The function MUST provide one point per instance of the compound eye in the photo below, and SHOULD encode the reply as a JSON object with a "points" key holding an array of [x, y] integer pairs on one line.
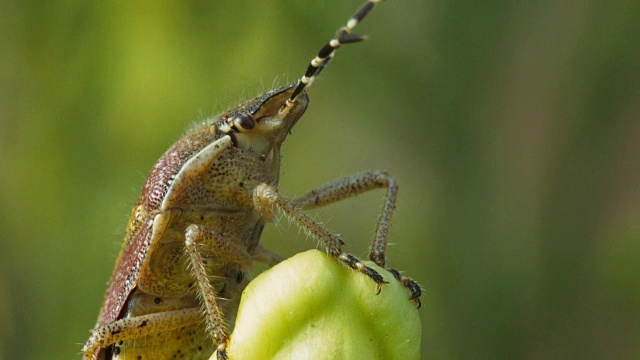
{"points": [[243, 122]]}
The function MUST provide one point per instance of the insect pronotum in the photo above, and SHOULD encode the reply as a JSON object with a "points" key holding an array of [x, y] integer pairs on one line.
{"points": [[209, 197]]}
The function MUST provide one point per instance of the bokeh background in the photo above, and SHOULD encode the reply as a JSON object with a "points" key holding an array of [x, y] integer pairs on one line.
{"points": [[513, 128]]}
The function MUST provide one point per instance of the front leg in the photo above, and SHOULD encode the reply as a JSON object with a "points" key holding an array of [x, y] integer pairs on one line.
{"points": [[267, 200], [199, 240], [347, 187]]}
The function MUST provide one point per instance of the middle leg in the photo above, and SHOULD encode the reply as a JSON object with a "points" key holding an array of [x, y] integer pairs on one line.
{"points": [[350, 186], [197, 240]]}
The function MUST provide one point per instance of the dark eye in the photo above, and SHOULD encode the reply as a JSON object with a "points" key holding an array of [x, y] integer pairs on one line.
{"points": [[244, 121]]}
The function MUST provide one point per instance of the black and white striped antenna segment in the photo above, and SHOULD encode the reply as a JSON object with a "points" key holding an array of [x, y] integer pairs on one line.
{"points": [[325, 55]]}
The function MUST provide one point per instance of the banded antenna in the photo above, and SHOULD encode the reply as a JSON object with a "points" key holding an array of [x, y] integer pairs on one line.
{"points": [[325, 55]]}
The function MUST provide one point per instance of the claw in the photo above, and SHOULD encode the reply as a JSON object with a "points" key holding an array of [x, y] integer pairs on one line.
{"points": [[415, 289], [378, 289], [222, 355], [222, 352], [416, 292], [375, 276], [417, 301]]}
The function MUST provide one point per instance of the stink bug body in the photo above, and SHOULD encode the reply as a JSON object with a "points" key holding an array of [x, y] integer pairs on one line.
{"points": [[195, 229]]}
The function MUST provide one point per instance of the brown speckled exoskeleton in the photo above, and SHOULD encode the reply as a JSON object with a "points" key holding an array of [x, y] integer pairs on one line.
{"points": [[196, 227]]}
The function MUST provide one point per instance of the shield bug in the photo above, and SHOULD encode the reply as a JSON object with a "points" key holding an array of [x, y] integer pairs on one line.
{"points": [[195, 229]]}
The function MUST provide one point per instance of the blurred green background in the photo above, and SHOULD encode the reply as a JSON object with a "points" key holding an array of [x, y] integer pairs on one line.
{"points": [[513, 128]]}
